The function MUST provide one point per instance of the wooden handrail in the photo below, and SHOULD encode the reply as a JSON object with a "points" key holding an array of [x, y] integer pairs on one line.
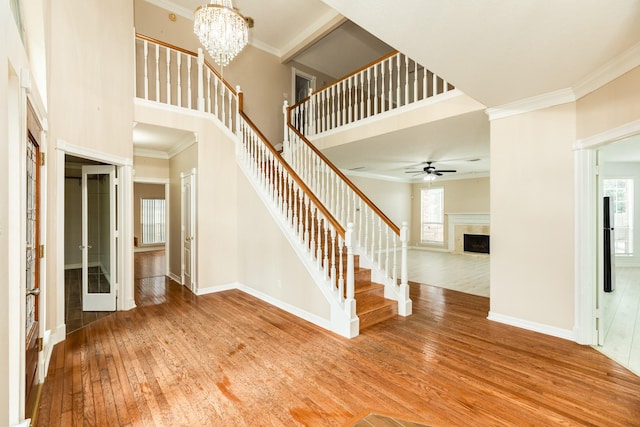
{"points": [[325, 212], [187, 52], [351, 74], [161, 43], [337, 171]]}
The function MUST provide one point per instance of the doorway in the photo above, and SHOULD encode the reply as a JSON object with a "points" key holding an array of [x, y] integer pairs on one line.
{"points": [[619, 297], [90, 224], [188, 230], [302, 83]]}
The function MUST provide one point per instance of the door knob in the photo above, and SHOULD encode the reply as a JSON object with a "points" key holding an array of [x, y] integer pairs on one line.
{"points": [[35, 292]]}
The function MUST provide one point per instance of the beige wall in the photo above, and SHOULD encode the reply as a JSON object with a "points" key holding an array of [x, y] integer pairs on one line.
{"points": [[89, 97], [460, 196], [615, 104], [144, 191], [217, 223], [148, 167], [532, 216], [393, 198], [263, 91], [267, 263]]}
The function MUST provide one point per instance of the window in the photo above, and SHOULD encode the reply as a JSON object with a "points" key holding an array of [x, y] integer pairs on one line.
{"points": [[432, 215], [621, 193], [152, 217]]}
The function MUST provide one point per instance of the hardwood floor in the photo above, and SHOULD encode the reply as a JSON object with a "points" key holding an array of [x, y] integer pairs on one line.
{"points": [[229, 359], [460, 272]]}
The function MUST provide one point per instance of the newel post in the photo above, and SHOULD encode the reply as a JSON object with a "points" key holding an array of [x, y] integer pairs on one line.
{"points": [[286, 147], [404, 302], [350, 302], [200, 80]]}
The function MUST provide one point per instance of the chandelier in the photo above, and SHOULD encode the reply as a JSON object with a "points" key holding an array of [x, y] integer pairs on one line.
{"points": [[222, 30]]}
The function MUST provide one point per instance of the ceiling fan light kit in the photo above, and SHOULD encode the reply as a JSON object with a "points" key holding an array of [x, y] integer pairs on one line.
{"points": [[431, 171]]}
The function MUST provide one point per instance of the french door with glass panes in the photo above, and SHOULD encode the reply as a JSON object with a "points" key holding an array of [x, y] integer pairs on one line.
{"points": [[98, 247]]}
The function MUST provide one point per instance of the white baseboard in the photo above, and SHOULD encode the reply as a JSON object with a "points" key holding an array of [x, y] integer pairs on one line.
{"points": [[175, 278], [49, 341], [214, 289], [309, 317], [72, 266], [305, 315], [532, 326], [129, 304], [148, 248]]}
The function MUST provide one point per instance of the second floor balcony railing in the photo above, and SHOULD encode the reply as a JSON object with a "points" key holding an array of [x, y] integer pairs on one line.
{"points": [[391, 82]]}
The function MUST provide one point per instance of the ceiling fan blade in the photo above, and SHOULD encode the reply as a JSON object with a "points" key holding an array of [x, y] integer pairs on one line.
{"points": [[436, 173], [413, 171], [446, 170]]}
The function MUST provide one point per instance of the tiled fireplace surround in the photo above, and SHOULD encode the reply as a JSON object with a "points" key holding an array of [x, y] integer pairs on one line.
{"points": [[460, 224]]}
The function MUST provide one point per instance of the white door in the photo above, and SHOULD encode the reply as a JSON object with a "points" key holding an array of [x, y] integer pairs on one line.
{"points": [[98, 238], [188, 230]]}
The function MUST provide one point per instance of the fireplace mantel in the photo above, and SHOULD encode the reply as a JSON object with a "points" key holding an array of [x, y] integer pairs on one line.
{"points": [[463, 219]]}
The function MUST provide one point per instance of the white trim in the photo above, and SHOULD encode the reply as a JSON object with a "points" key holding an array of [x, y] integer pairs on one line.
{"points": [[534, 103], [184, 143], [396, 112], [143, 103], [145, 180], [296, 311], [610, 71], [611, 135], [309, 317], [585, 241], [154, 154], [216, 289], [531, 326], [295, 72], [174, 277], [149, 248], [91, 154], [173, 7]]}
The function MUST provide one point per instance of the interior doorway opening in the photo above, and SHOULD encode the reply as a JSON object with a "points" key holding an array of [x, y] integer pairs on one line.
{"points": [[618, 291], [90, 262]]}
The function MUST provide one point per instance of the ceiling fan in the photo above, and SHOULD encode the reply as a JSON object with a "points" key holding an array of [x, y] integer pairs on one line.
{"points": [[429, 169]]}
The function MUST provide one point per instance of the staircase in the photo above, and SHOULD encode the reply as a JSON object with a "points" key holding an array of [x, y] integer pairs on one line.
{"points": [[372, 307], [352, 255]]}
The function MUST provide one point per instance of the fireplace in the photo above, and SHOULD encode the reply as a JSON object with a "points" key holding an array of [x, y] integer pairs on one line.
{"points": [[478, 243]]}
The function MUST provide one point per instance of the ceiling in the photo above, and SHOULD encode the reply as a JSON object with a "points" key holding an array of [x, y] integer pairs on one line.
{"points": [[501, 51], [459, 143], [515, 51]]}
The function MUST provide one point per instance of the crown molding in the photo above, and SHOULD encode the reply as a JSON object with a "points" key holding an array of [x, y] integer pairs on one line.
{"points": [[616, 134], [183, 144], [527, 105], [172, 7], [610, 71], [154, 154]]}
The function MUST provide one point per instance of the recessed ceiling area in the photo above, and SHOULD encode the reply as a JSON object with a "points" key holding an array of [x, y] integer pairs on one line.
{"points": [[452, 143], [159, 141], [342, 51]]}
